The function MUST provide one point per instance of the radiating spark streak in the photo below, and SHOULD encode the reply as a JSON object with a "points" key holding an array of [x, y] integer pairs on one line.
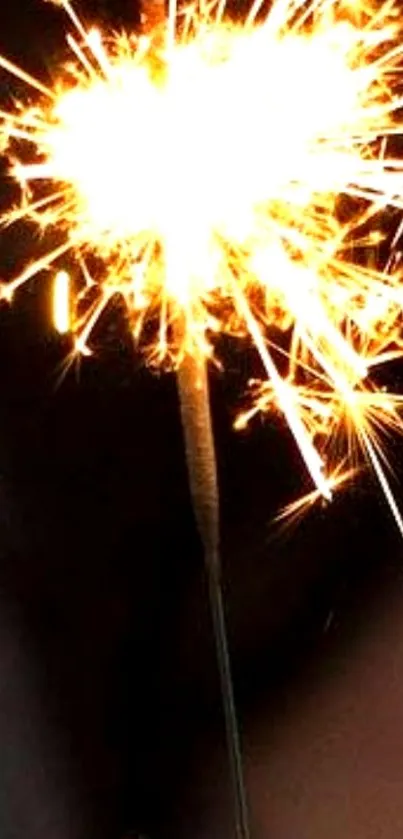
{"points": [[171, 26], [255, 9], [24, 118], [220, 11], [94, 41], [31, 208], [82, 339], [21, 74], [286, 402], [339, 380], [81, 56], [68, 8], [380, 474], [32, 270], [292, 511], [19, 134]]}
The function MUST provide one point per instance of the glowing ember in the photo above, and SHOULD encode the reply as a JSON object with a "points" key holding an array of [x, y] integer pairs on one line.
{"points": [[222, 175], [61, 302]]}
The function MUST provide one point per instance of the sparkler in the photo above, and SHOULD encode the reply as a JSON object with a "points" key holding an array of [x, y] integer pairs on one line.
{"points": [[204, 168], [228, 178]]}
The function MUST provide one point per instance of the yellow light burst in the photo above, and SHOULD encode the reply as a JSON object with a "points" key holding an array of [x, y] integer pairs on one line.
{"points": [[234, 179]]}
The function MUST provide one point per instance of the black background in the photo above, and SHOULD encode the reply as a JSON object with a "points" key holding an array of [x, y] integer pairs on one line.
{"points": [[110, 716]]}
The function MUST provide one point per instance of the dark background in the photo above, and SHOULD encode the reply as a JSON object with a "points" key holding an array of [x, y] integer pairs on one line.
{"points": [[110, 716]]}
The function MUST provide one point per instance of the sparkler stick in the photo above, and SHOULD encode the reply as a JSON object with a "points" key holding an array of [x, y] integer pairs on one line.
{"points": [[194, 401], [192, 379]]}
